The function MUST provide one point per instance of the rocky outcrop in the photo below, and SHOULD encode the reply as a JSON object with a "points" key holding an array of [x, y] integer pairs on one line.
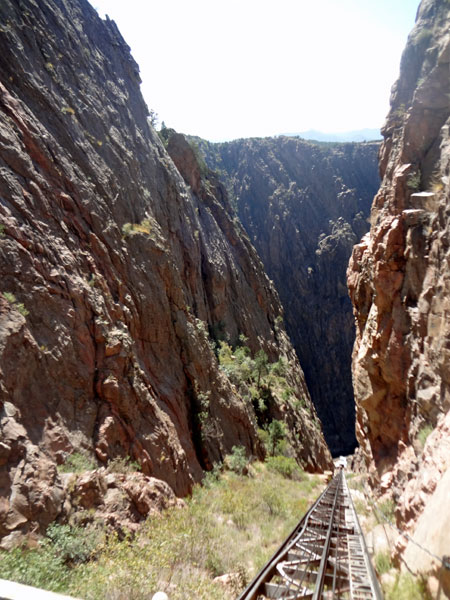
{"points": [[113, 274], [121, 501], [304, 206], [399, 281]]}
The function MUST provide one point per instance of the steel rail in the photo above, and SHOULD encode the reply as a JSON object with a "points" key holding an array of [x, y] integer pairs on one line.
{"points": [[369, 567], [250, 592], [320, 581], [325, 555]]}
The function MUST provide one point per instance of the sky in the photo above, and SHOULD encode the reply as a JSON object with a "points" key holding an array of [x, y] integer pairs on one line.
{"points": [[226, 69]]}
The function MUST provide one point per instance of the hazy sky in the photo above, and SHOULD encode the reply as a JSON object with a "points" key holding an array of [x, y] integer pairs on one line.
{"points": [[237, 68]]}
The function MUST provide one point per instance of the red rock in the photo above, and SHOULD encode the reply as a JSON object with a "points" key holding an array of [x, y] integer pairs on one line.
{"points": [[110, 358], [399, 287]]}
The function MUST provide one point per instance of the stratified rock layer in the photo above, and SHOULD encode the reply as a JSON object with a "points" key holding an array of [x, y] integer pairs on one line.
{"points": [[112, 273], [399, 280], [304, 206]]}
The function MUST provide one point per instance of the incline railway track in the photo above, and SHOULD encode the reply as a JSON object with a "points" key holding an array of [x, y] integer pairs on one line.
{"points": [[324, 557]]}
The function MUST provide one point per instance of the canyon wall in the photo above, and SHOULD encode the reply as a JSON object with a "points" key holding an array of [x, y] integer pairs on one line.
{"points": [[304, 206], [399, 280], [114, 275]]}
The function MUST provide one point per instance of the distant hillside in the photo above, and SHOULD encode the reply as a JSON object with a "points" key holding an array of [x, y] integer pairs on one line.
{"points": [[360, 135]]}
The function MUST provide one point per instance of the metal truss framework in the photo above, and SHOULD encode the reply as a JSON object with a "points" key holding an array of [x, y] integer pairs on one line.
{"points": [[324, 557]]}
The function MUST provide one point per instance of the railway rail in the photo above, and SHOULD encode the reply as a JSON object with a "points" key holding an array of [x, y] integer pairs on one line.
{"points": [[324, 557]]}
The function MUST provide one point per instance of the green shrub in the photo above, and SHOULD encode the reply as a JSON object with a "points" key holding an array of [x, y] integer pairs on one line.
{"points": [[423, 36], [165, 133], [273, 502], [301, 403], [9, 297], [285, 466], [204, 171], [21, 308], [153, 117], [256, 378], [260, 367], [399, 112], [423, 434], [286, 394], [237, 461], [72, 544], [238, 364], [212, 477], [413, 181], [383, 562], [77, 463], [49, 566], [40, 568], [279, 368], [17, 305]]}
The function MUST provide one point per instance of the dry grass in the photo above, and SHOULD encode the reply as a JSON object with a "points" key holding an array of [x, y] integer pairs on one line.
{"points": [[231, 525]]}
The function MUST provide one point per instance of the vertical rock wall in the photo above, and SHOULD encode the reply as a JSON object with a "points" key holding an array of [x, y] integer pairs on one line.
{"points": [[113, 272], [399, 281]]}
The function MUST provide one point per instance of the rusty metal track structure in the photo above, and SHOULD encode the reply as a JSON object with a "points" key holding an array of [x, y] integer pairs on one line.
{"points": [[324, 557]]}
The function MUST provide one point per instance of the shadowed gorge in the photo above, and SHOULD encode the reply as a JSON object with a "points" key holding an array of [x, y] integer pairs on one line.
{"points": [[304, 206]]}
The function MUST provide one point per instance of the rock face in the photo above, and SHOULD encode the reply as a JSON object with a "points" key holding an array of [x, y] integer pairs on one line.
{"points": [[113, 274], [304, 206], [399, 281]]}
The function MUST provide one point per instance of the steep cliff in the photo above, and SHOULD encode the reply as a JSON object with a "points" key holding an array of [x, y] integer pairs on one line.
{"points": [[304, 206], [399, 281], [114, 276]]}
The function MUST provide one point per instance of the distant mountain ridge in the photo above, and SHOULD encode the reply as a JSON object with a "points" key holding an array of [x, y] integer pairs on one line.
{"points": [[359, 135]]}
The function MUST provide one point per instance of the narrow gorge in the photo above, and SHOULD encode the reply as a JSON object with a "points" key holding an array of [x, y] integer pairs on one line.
{"points": [[304, 205], [167, 303]]}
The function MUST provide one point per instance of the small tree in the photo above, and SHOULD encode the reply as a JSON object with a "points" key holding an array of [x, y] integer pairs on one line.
{"points": [[165, 133], [153, 118], [276, 433], [261, 367]]}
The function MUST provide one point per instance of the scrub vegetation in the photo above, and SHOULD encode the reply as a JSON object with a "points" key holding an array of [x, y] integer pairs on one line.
{"points": [[230, 525]]}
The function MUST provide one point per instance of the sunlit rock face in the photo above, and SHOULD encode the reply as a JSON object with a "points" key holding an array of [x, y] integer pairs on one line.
{"points": [[113, 273], [304, 206], [399, 281]]}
